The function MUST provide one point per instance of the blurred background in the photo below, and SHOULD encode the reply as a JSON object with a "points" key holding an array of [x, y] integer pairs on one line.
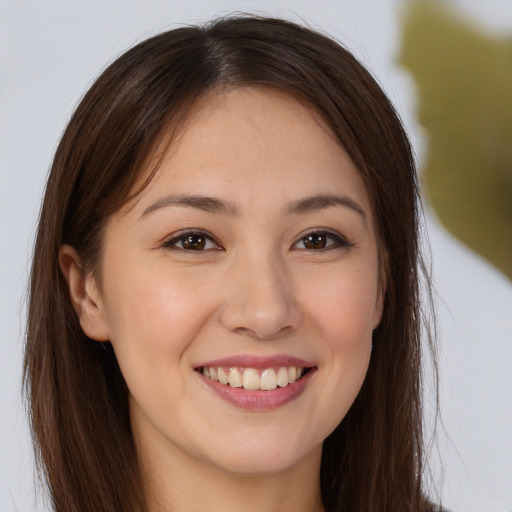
{"points": [[446, 65]]}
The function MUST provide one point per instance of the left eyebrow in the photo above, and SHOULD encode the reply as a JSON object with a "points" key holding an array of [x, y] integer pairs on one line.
{"points": [[320, 202], [199, 202]]}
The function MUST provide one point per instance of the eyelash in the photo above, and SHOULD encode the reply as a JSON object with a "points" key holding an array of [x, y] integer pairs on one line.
{"points": [[338, 240], [181, 237]]}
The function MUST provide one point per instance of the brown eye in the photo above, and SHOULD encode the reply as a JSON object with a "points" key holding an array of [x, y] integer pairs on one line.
{"points": [[315, 241], [321, 241], [193, 242]]}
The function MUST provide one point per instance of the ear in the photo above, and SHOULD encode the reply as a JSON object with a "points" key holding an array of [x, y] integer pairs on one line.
{"points": [[84, 294]]}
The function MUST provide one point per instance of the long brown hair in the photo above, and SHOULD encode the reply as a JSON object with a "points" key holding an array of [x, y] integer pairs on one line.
{"points": [[373, 461]]}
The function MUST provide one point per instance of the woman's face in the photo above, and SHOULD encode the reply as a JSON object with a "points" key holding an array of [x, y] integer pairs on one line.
{"points": [[249, 259]]}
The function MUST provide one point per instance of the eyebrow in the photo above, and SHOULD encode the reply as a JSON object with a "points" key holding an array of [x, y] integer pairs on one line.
{"points": [[320, 202], [221, 207], [205, 203]]}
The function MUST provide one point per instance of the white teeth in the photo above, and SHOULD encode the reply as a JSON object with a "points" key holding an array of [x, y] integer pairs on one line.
{"points": [[235, 378], [251, 379], [223, 376], [268, 379], [282, 377]]}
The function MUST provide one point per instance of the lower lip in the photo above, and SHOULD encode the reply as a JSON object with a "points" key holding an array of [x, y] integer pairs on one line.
{"points": [[259, 400]]}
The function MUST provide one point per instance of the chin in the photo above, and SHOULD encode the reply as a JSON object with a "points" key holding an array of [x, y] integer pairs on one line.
{"points": [[264, 454]]}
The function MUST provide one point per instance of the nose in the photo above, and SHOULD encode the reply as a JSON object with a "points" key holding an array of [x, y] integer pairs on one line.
{"points": [[260, 300]]}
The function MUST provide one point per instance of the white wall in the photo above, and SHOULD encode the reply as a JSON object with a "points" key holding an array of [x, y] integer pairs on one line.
{"points": [[51, 50]]}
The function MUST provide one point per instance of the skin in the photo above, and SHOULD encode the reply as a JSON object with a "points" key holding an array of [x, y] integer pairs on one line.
{"points": [[255, 289]]}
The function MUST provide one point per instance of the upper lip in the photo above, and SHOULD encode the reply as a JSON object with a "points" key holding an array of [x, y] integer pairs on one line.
{"points": [[258, 362]]}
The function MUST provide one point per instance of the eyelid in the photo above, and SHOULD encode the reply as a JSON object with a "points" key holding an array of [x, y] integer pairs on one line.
{"points": [[341, 241], [170, 242]]}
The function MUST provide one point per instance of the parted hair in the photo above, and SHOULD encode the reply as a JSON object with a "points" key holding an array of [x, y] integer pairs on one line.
{"points": [[76, 394]]}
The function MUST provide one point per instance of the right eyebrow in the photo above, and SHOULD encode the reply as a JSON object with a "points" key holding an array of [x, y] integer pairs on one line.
{"points": [[205, 203]]}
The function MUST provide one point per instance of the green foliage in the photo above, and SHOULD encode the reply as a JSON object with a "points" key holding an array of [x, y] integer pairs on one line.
{"points": [[464, 78]]}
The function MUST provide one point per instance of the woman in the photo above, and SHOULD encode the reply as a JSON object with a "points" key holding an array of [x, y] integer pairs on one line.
{"points": [[224, 307]]}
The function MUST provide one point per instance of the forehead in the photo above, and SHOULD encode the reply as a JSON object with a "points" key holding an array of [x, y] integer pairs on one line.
{"points": [[241, 142]]}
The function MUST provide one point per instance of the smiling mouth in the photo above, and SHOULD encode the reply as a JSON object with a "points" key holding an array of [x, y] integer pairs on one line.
{"points": [[254, 379]]}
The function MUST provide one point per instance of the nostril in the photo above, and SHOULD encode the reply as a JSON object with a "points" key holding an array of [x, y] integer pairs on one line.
{"points": [[262, 333]]}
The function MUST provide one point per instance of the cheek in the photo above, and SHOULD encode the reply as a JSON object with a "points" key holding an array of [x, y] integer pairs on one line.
{"points": [[155, 306], [153, 320], [342, 314], [343, 304]]}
